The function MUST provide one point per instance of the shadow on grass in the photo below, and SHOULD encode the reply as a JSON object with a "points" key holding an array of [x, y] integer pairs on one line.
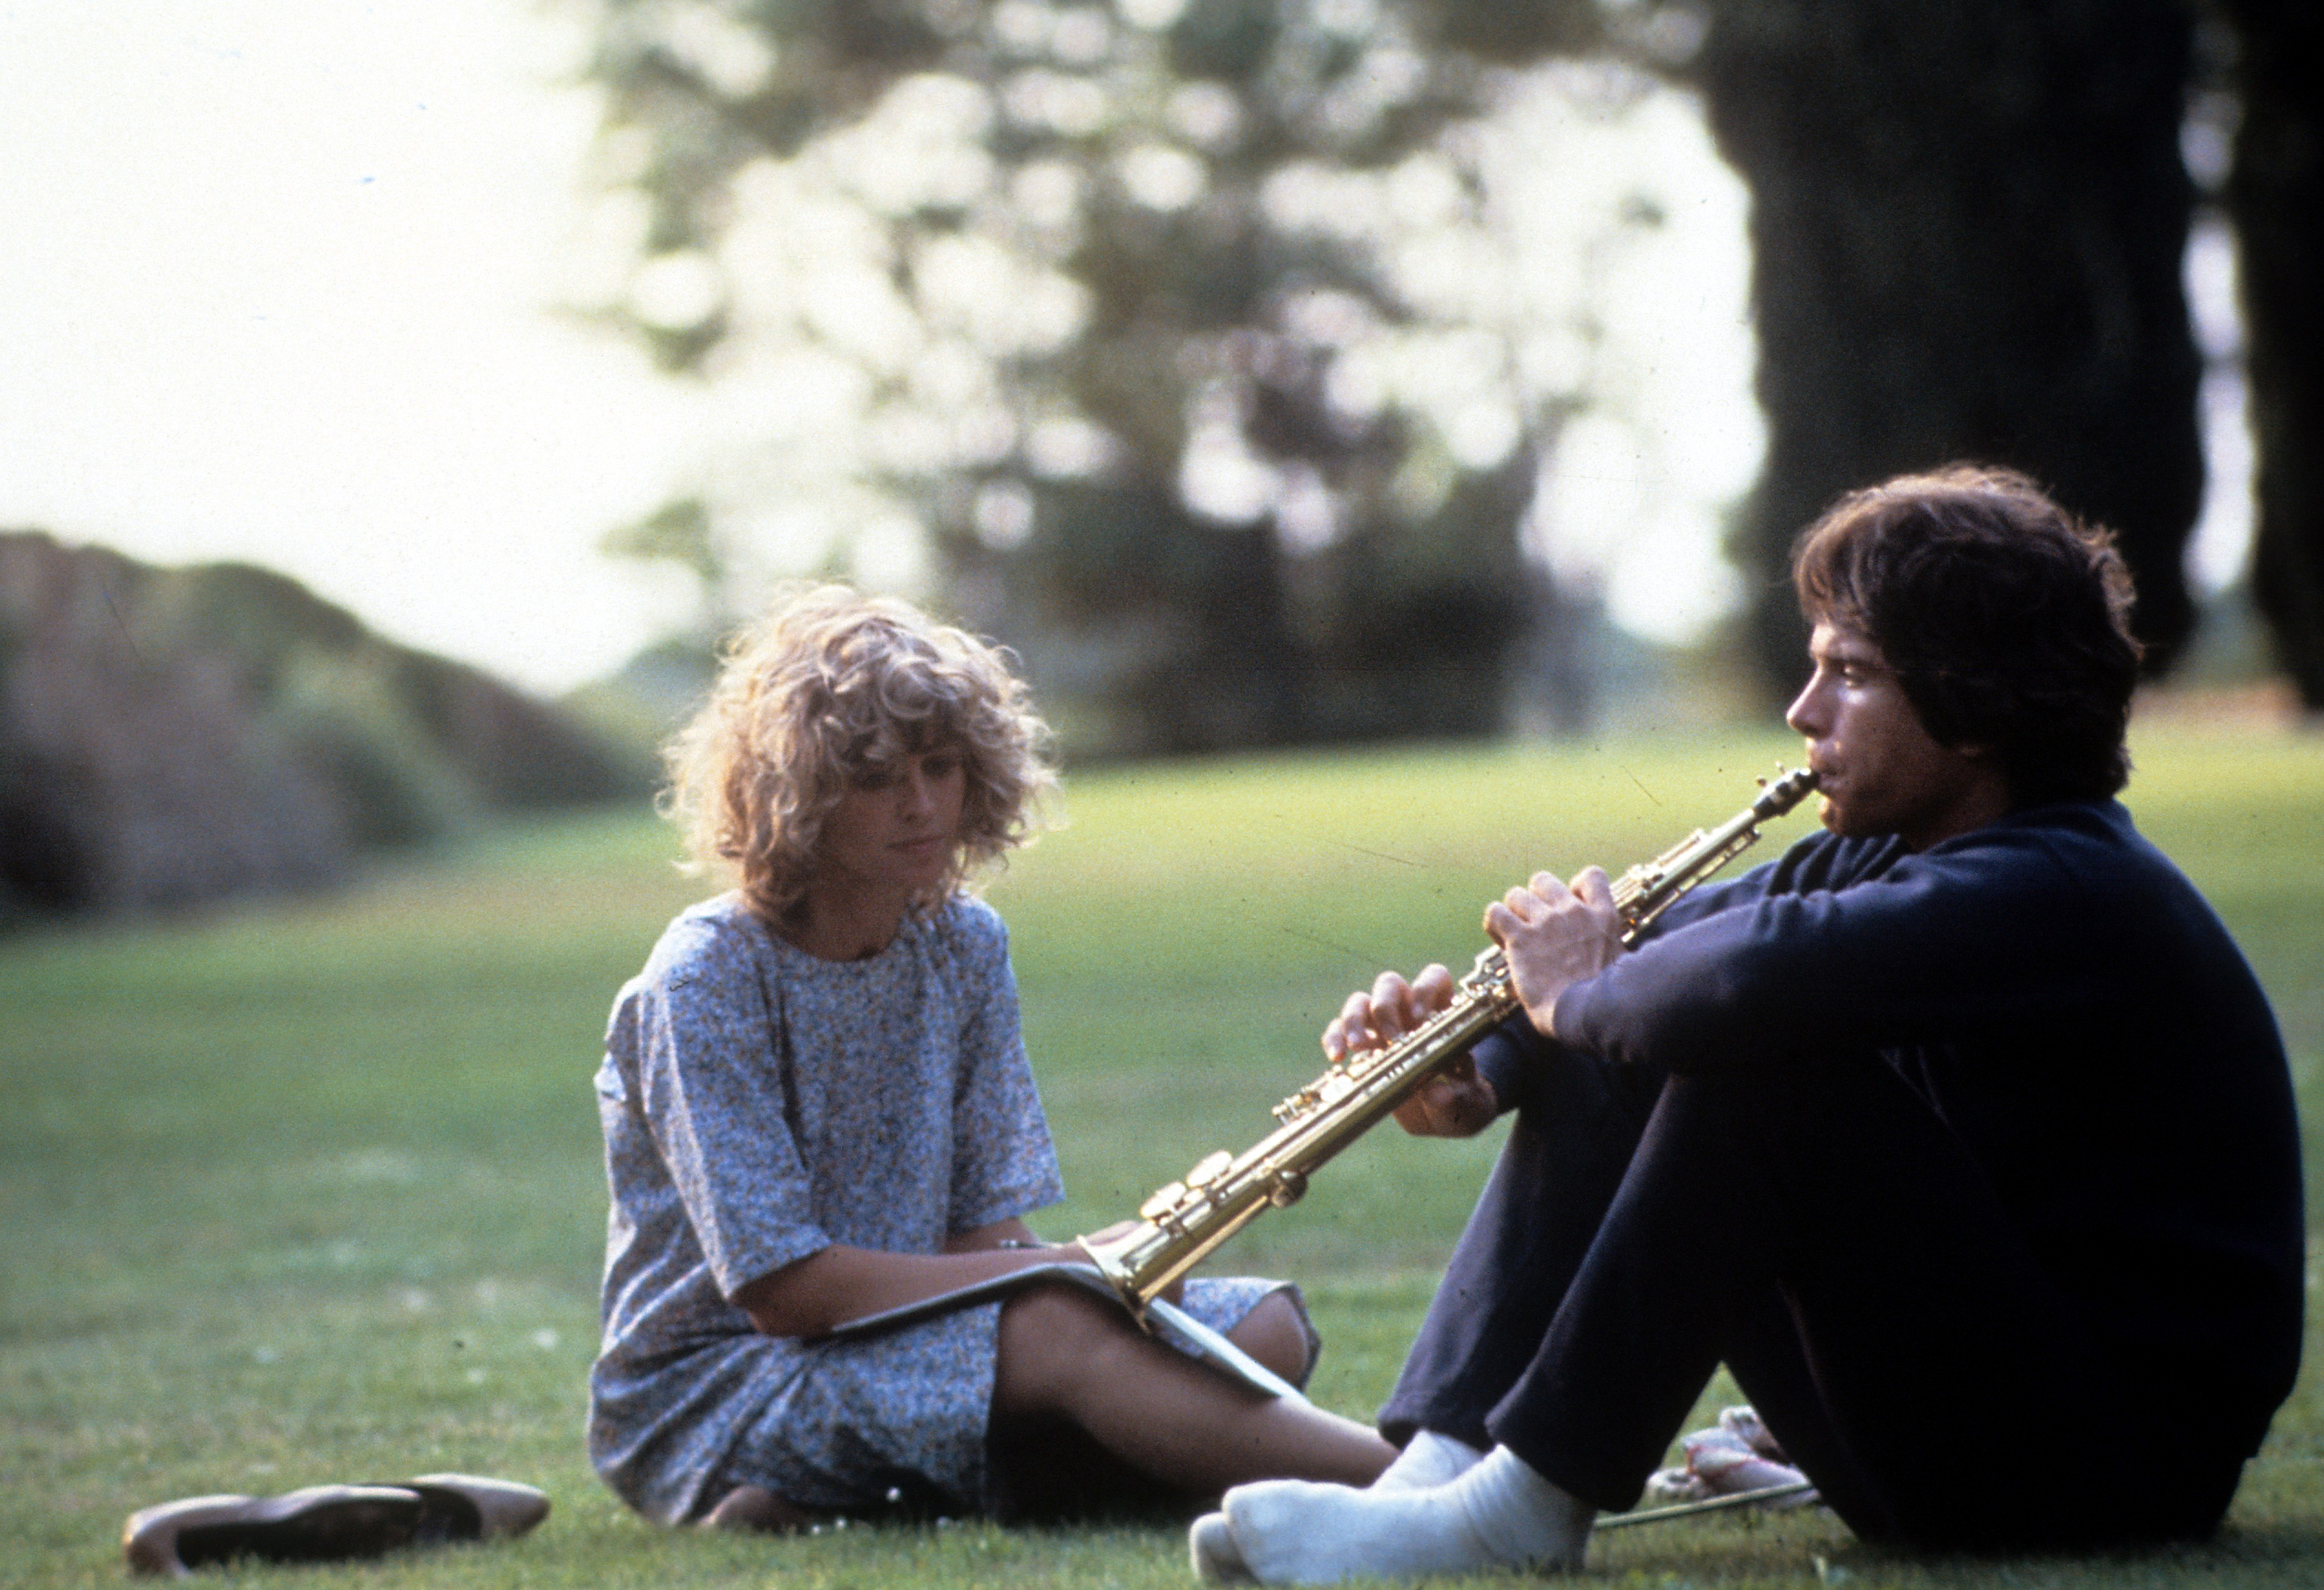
{"points": [[2264, 1552]]}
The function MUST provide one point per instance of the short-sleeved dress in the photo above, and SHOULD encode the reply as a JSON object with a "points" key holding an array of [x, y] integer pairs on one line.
{"points": [[760, 1104]]}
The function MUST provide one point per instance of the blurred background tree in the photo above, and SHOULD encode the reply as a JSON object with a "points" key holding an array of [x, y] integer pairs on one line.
{"points": [[1968, 226], [2274, 89], [1189, 335], [170, 736], [1185, 331]]}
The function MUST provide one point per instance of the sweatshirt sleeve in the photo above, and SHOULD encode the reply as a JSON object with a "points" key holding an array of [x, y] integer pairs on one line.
{"points": [[1993, 928]]}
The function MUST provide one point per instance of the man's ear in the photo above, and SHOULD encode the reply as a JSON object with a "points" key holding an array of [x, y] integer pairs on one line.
{"points": [[1985, 757]]}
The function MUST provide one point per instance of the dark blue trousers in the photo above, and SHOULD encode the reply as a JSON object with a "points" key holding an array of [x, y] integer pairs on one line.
{"points": [[1818, 1229]]}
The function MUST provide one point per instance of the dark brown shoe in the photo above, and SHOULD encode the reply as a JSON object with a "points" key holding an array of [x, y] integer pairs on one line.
{"points": [[472, 1507], [321, 1523], [328, 1524]]}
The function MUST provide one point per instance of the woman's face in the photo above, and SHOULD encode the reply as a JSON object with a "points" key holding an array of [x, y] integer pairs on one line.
{"points": [[896, 827]]}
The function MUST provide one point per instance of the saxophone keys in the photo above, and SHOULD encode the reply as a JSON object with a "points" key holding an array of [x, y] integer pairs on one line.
{"points": [[1210, 1170], [1163, 1202]]}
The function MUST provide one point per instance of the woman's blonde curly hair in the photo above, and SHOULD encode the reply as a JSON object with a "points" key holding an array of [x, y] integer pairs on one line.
{"points": [[830, 686]]}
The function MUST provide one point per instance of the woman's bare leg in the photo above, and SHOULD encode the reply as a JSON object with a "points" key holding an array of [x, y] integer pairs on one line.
{"points": [[1066, 1355], [1271, 1333]]}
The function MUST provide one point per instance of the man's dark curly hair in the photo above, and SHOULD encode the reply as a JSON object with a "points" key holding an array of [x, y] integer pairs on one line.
{"points": [[2004, 618]]}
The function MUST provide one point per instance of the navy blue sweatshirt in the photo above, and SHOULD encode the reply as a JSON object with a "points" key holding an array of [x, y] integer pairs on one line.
{"points": [[2070, 1005]]}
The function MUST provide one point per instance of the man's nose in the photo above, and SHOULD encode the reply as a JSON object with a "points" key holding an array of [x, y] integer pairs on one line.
{"points": [[1805, 715]]}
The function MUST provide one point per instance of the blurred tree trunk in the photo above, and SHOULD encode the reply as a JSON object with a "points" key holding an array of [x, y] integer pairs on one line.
{"points": [[2276, 198], [1968, 226]]}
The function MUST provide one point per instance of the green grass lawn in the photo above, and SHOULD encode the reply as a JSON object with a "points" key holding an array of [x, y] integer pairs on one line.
{"points": [[313, 1191]]}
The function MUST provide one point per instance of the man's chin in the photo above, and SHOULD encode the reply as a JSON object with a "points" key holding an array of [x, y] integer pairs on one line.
{"points": [[1837, 819]]}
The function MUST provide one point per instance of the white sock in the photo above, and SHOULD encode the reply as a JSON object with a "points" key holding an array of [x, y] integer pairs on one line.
{"points": [[1427, 1460], [1523, 1519], [1210, 1548], [1500, 1513]]}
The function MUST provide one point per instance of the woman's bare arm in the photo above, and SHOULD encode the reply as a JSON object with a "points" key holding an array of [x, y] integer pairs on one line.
{"points": [[810, 1296]]}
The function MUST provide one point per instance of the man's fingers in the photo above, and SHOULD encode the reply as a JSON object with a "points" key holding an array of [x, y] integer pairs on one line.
{"points": [[1372, 1017], [1376, 1017], [1431, 1110], [1590, 885], [1548, 885], [1391, 1003], [1455, 1102], [1433, 989], [1350, 1029]]}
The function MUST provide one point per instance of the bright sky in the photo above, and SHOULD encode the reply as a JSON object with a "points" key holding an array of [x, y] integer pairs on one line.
{"points": [[280, 285], [277, 286]]}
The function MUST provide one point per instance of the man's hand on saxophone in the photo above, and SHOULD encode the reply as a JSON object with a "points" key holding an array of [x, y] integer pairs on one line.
{"points": [[1554, 935], [1551, 935], [1454, 1102], [1377, 1017]]}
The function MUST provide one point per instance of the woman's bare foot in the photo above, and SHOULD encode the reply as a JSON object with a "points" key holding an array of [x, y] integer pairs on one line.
{"points": [[755, 1508]]}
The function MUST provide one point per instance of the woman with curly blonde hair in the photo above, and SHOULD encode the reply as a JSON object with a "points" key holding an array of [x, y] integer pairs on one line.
{"points": [[817, 1108]]}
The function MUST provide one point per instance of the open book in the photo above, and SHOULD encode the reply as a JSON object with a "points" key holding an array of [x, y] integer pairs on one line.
{"points": [[1170, 1323]]}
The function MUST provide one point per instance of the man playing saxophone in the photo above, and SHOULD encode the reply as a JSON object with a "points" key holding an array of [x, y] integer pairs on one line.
{"points": [[1963, 1133]]}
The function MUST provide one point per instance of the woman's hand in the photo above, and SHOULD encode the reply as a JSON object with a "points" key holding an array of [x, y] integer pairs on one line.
{"points": [[1455, 1102], [1555, 936], [1168, 1294], [1016, 1236]]}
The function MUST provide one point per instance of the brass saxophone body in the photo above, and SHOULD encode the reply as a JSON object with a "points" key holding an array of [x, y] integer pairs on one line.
{"points": [[1182, 1224]]}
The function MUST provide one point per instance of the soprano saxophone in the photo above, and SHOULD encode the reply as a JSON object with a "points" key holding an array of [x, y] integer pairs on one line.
{"points": [[1182, 1224]]}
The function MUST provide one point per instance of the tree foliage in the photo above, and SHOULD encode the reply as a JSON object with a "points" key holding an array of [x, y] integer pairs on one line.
{"points": [[172, 737], [1128, 269], [1133, 278]]}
